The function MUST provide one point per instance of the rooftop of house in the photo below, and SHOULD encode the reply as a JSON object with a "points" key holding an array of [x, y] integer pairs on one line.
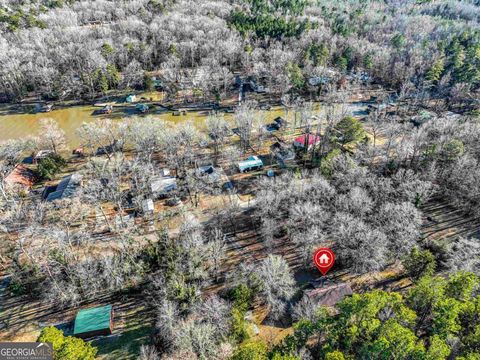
{"points": [[163, 183], [148, 205], [92, 319], [312, 139], [329, 295], [212, 173], [21, 175], [66, 187], [42, 154], [252, 160]]}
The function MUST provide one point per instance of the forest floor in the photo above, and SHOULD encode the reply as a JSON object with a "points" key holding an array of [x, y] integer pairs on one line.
{"points": [[442, 221]]}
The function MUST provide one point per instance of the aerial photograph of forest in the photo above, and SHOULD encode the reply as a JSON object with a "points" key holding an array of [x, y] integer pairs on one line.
{"points": [[240, 179]]}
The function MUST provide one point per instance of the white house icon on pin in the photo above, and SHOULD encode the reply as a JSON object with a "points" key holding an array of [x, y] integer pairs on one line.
{"points": [[324, 259]]}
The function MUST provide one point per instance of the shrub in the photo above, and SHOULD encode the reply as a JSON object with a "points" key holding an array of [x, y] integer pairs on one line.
{"points": [[67, 347], [242, 297], [253, 350], [419, 263], [49, 166]]}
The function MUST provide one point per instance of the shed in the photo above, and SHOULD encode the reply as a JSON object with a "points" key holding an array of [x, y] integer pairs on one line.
{"points": [[282, 151], [20, 176], [148, 206], [161, 185], [42, 154], [329, 295], [93, 322], [179, 112], [78, 151], [252, 163], [131, 98], [210, 173], [165, 172], [309, 139], [272, 127]]}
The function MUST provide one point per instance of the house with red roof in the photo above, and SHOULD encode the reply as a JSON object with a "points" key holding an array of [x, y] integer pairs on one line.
{"points": [[20, 176], [310, 140]]}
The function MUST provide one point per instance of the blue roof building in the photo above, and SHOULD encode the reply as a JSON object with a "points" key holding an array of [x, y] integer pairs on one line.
{"points": [[252, 163]]}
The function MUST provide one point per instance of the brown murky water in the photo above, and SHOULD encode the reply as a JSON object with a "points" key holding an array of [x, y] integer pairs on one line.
{"points": [[14, 124]]}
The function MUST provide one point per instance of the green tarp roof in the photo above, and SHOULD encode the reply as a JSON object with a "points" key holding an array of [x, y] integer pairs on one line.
{"points": [[92, 319]]}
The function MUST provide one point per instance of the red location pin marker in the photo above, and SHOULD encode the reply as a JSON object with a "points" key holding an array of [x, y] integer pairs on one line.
{"points": [[324, 258]]}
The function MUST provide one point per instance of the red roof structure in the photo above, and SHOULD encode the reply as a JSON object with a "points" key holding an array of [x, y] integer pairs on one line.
{"points": [[22, 176], [310, 139]]}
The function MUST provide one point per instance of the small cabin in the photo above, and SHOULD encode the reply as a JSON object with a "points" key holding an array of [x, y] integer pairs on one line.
{"points": [[94, 322], [282, 151], [210, 173], [251, 164]]}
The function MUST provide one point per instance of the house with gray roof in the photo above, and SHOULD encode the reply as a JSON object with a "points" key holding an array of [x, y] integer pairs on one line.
{"points": [[65, 188]]}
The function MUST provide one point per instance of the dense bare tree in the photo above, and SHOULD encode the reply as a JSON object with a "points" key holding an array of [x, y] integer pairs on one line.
{"points": [[277, 283], [218, 130], [52, 136], [244, 120]]}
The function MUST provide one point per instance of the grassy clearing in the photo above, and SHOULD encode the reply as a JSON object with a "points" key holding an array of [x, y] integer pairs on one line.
{"points": [[125, 345]]}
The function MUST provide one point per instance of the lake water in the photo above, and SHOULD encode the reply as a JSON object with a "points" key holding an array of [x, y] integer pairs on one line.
{"points": [[15, 124]]}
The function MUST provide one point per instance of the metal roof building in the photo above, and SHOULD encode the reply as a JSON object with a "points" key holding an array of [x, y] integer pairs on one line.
{"points": [[252, 163], [93, 322], [65, 188]]}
